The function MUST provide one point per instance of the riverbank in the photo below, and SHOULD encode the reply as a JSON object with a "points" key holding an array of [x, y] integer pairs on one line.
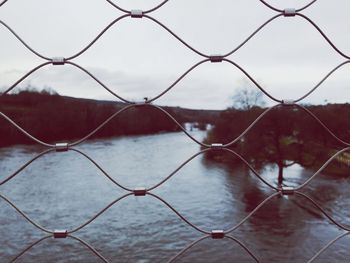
{"points": [[53, 118], [285, 136]]}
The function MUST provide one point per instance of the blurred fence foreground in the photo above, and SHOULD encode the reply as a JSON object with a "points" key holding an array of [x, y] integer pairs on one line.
{"points": [[288, 13]]}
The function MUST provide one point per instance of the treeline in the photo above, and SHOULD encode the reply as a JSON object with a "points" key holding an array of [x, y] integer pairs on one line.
{"points": [[52, 118], [285, 136]]}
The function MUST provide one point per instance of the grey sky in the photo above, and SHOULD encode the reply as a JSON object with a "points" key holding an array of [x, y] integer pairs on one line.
{"points": [[137, 58]]}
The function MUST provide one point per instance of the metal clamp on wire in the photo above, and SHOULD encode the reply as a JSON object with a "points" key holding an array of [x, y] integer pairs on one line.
{"points": [[142, 103], [136, 13], [217, 234], [216, 58], [140, 191], [289, 12], [61, 147], [58, 61], [60, 233], [288, 102], [216, 146], [287, 190]]}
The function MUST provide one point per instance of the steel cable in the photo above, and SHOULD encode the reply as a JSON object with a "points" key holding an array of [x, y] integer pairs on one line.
{"points": [[183, 251], [145, 12], [24, 215], [146, 104], [24, 77], [281, 11], [165, 1], [327, 246], [324, 35], [28, 248], [25, 132], [91, 248], [147, 193], [177, 213], [252, 212], [23, 42], [25, 165], [101, 169], [3, 2], [323, 80], [322, 168], [128, 14], [87, 245], [236, 240], [194, 243], [306, 6], [179, 79], [323, 211], [14, 174], [99, 213]]}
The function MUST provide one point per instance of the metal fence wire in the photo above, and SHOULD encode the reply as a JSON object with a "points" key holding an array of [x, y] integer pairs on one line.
{"points": [[206, 58]]}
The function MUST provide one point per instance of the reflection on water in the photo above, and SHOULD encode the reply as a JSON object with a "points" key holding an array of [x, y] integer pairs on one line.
{"points": [[64, 190]]}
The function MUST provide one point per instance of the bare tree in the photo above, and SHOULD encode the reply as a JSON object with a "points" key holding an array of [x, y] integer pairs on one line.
{"points": [[247, 96]]}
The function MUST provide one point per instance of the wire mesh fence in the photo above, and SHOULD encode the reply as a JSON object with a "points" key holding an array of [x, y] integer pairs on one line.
{"points": [[229, 233]]}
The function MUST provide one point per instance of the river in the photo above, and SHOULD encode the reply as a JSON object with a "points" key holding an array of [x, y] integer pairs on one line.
{"points": [[63, 190]]}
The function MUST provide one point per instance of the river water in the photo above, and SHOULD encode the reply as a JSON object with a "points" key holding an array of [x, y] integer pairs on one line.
{"points": [[64, 190]]}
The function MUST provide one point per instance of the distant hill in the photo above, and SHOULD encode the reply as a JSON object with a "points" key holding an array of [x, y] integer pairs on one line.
{"points": [[53, 118]]}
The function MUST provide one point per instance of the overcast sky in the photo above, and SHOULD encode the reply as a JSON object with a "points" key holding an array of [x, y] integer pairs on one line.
{"points": [[137, 58]]}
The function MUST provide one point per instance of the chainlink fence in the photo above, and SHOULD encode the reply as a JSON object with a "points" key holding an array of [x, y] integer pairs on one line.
{"points": [[218, 147]]}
